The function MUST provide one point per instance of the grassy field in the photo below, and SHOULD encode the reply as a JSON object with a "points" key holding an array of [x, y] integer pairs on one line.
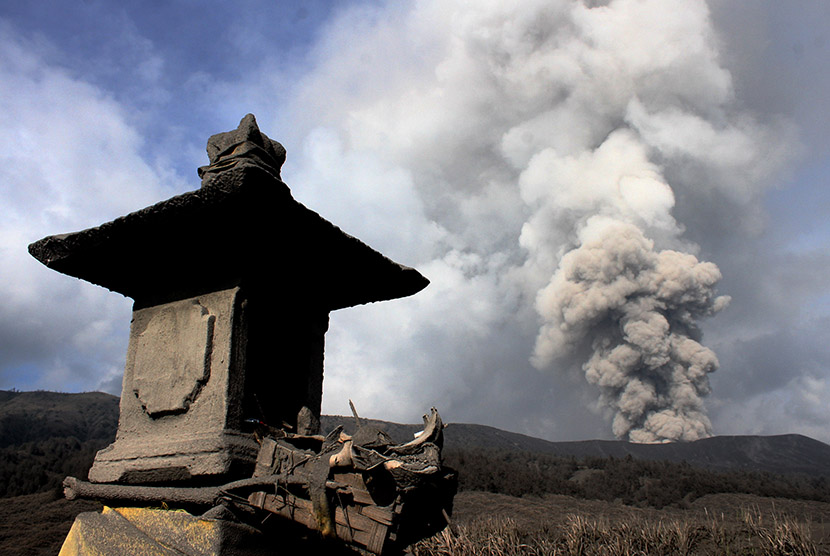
{"points": [[499, 525], [36, 524], [536, 503]]}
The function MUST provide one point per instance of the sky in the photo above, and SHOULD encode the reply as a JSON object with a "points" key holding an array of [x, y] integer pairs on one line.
{"points": [[621, 206]]}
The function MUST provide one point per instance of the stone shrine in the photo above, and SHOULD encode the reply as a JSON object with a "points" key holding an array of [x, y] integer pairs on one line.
{"points": [[232, 287]]}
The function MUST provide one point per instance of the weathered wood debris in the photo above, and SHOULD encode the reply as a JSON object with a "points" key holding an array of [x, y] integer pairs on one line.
{"points": [[367, 491], [363, 489]]}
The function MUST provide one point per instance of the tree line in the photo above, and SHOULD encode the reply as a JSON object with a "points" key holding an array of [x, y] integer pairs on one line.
{"points": [[626, 480], [36, 454]]}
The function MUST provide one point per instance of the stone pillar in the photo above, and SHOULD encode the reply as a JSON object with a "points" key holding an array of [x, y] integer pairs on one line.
{"points": [[233, 284], [181, 411]]}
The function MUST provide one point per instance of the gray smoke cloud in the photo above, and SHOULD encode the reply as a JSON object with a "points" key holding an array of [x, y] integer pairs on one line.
{"points": [[532, 155], [638, 308]]}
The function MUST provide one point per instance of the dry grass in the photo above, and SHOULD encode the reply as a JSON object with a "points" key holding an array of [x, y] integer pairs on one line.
{"points": [[584, 536], [499, 525], [614, 530], [36, 524]]}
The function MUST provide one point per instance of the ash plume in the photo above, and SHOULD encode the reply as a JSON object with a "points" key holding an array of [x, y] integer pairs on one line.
{"points": [[638, 308], [498, 147], [552, 163]]}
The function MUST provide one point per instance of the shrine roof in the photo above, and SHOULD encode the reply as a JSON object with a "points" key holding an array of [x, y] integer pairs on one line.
{"points": [[242, 226]]}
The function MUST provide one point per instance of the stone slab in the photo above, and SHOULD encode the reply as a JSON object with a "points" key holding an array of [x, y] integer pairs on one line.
{"points": [[158, 532], [181, 407]]}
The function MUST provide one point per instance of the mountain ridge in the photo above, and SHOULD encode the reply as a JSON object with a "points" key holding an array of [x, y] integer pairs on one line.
{"points": [[41, 417], [780, 454]]}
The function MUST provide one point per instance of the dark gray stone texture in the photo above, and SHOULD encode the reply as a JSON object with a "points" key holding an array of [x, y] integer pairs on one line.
{"points": [[182, 394], [244, 146], [244, 227]]}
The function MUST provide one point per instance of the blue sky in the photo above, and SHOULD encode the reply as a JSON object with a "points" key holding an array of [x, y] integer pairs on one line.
{"points": [[480, 143]]}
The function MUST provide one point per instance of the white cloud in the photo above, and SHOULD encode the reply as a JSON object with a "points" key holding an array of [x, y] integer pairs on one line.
{"points": [[478, 142], [70, 161], [518, 131]]}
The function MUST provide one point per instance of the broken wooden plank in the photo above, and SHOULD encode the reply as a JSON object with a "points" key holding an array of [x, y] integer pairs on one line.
{"points": [[354, 480], [377, 538], [350, 518], [350, 524], [265, 458], [361, 496], [357, 487], [379, 514]]}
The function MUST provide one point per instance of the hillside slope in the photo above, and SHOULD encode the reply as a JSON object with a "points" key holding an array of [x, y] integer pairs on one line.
{"points": [[782, 454], [45, 436], [33, 416]]}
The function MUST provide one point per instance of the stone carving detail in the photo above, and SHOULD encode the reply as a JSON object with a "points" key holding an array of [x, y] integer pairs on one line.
{"points": [[244, 146], [172, 358]]}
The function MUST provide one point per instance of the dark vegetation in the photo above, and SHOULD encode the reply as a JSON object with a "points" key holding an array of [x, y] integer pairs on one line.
{"points": [[780, 454], [568, 500], [734, 524], [45, 436], [629, 481], [37, 524]]}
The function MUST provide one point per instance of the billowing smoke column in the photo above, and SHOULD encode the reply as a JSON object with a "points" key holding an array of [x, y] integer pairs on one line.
{"points": [[600, 201], [635, 307], [537, 151], [638, 308]]}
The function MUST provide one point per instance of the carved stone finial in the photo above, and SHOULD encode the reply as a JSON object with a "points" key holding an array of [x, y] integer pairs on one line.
{"points": [[244, 146]]}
